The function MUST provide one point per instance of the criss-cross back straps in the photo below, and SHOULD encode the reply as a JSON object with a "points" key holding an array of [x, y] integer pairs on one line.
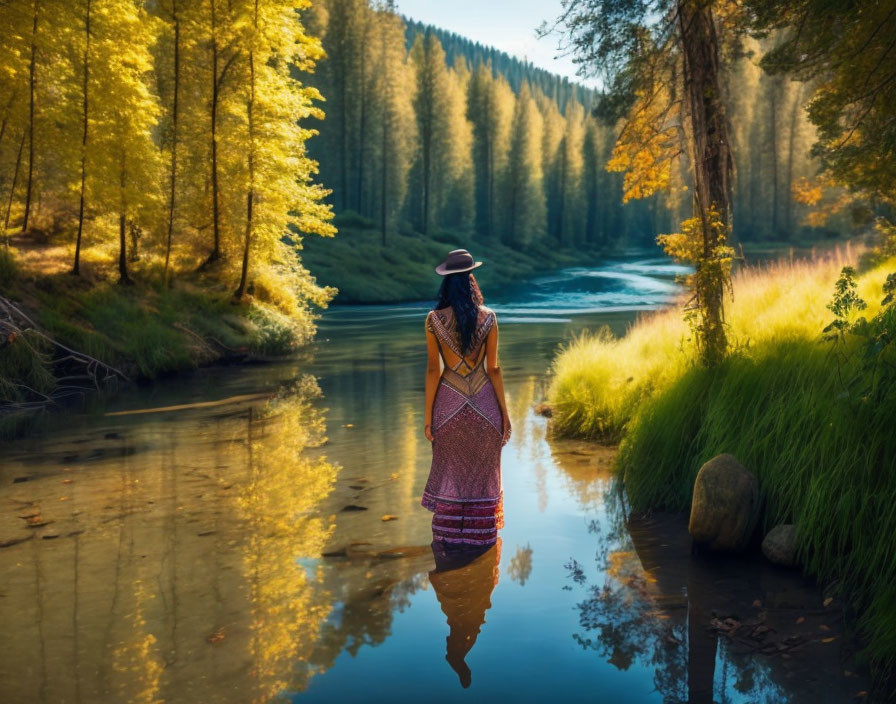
{"points": [[445, 330]]}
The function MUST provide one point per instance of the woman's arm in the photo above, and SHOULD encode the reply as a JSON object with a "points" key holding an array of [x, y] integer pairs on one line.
{"points": [[494, 373], [433, 372]]}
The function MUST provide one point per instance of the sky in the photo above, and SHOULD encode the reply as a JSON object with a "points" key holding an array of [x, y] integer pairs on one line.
{"points": [[508, 25]]}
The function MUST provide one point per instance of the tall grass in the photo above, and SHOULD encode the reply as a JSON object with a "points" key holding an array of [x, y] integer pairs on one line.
{"points": [[782, 403]]}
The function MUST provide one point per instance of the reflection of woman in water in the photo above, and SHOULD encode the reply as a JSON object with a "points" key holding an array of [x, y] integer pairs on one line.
{"points": [[463, 581], [465, 413]]}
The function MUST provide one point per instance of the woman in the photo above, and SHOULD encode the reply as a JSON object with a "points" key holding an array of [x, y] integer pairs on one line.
{"points": [[466, 413]]}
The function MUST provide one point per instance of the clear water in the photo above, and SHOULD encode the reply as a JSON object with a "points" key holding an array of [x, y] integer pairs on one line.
{"points": [[238, 552]]}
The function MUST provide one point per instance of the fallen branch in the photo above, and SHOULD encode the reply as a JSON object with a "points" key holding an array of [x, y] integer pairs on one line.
{"points": [[91, 362], [199, 404]]}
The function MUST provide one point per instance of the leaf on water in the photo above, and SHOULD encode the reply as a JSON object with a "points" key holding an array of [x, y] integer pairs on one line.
{"points": [[823, 627], [349, 425], [757, 604], [67, 481], [827, 602], [216, 637], [389, 517], [831, 639], [859, 695], [801, 619], [394, 475]]}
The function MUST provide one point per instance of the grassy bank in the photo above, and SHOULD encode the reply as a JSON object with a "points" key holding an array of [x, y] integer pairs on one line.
{"points": [[144, 330], [364, 271], [809, 416]]}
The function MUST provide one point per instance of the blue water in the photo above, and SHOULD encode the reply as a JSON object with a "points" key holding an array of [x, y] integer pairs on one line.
{"points": [[170, 563]]}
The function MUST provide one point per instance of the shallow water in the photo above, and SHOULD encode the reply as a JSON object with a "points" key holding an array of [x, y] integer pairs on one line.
{"points": [[273, 546]]}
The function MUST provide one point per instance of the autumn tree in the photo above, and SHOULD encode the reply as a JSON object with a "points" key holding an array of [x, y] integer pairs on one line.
{"points": [[661, 61], [123, 160], [280, 193]]}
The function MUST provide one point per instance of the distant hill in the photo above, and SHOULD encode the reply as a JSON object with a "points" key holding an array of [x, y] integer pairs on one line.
{"points": [[515, 71]]}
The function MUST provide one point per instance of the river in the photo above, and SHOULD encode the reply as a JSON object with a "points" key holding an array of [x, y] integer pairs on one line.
{"points": [[247, 534]]}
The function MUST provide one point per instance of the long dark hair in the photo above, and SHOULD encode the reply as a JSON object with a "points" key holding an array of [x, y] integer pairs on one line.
{"points": [[461, 292]]}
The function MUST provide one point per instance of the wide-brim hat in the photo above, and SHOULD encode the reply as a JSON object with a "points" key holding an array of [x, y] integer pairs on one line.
{"points": [[458, 260]]}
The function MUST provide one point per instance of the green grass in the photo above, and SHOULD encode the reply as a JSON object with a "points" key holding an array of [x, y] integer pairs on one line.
{"points": [[355, 261], [143, 330], [783, 403]]}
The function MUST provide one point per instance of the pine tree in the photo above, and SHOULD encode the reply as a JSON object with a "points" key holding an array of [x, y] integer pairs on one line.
{"points": [[525, 201], [490, 108], [552, 138], [433, 109], [571, 163], [457, 208], [394, 110]]}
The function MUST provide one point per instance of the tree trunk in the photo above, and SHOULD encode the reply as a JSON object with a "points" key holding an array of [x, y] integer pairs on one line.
{"points": [[773, 136], [384, 176], [343, 118], [123, 277], [712, 161], [490, 192], [363, 118], [174, 116], [250, 196], [791, 139], [32, 79], [76, 269], [216, 215], [561, 200], [427, 167], [12, 189]]}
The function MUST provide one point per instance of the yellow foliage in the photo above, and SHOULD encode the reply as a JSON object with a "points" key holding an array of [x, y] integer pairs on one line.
{"points": [[806, 192], [647, 146], [712, 259]]}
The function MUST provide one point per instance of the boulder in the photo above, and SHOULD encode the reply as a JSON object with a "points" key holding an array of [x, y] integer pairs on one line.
{"points": [[725, 505], [779, 546]]}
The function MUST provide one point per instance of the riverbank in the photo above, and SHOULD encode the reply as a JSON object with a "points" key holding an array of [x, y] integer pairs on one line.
{"points": [[364, 271], [812, 418], [66, 336]]}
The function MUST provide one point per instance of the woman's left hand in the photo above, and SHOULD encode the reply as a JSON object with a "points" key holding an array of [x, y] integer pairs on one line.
{"points": [[427, 429], [506, 434]]}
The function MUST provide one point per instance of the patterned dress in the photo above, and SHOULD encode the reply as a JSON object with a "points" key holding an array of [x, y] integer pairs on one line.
{"points": [[464, 489]]}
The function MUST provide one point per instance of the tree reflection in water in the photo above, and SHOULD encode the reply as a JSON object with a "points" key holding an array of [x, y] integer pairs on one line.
{"points": [[652, 604], [464, 579], [277, 509], [185, 559]]}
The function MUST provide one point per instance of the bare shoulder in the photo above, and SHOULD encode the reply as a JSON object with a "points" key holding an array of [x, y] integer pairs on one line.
{"points": [[488, 315]]}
